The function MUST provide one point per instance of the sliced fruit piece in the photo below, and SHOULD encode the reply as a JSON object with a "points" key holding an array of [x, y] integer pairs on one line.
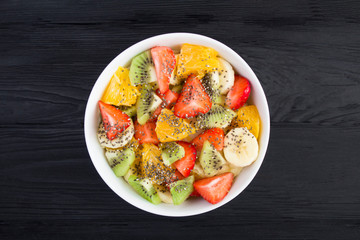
{"points": [[165, 62], [241, 147], [129, 110], [181, 190], [211, 84], [186, 164], [152, 166], [164, 193], [248, 116], [146, 104], [115, 121], [214, 135], [142, 70], [145, 189], [239, 93], [171, 152], [146, 133], [226, 76], [120, 160], [119, 90], [169, 99], [135, 168], [211, 160], [120, 141], [195, 59], [214, 189], [193, 99], [171, 128], [218, 116]]}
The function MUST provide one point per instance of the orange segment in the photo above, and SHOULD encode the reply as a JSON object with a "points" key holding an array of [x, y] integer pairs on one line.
{"points": [[119, 90], [152, 166], [196, 59], [171, 128], [248, 116]]}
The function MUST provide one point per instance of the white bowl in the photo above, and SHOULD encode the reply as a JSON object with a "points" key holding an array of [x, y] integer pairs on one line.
{"points": [[92, 118]]}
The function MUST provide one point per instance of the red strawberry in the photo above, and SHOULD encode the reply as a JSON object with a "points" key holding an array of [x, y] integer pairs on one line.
{"points": [[169, 99], [214, 135], [146, 133], [164, 61], [239, 93], [193, 99], [214, 189], [115, 121], [187, 163], [195, 194]]}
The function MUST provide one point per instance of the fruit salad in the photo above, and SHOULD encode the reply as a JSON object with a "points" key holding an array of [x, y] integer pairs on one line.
{"points": [[177, 125]]}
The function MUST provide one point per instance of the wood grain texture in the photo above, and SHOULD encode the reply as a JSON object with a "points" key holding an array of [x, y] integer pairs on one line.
{"points": [[306, 55]]}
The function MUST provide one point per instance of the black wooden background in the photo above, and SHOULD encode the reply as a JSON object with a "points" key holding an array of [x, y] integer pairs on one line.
{"points": [[306, 55]]}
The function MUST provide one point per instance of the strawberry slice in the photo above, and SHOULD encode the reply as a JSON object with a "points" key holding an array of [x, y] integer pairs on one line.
{"points": [[193, 99], [239, 93], [115, 121], [214, 135], [214, 189], [146, 133], [187, 163], [169, 99], [164, 61]]}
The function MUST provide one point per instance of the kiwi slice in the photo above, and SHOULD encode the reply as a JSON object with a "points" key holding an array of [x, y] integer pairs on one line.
{"points": [[146, 104], [218, 116], [211, 84], [171, 152], [130, 111], [181, 190], [211, 160], [120, 160], [145, 189], [142, 70]]}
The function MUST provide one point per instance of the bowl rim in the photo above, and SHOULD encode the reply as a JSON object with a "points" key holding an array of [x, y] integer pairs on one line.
{"points": [[265, 128]]}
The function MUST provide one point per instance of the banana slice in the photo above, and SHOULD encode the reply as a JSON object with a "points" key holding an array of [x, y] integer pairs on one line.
{"points": [[226, 76], [241, 147], [119, 141], [164, 194]]}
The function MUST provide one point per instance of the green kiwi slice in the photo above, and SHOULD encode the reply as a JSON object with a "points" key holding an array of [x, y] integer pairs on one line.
{"points": [[142, 70], [145, 189], [146, 104], [171, 152], [181, 190], [218, 116], [120, 160], [211, 84], [211, 160]]}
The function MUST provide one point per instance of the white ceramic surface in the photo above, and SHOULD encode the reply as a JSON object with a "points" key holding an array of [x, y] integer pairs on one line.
{"points": [[92, 117]]}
